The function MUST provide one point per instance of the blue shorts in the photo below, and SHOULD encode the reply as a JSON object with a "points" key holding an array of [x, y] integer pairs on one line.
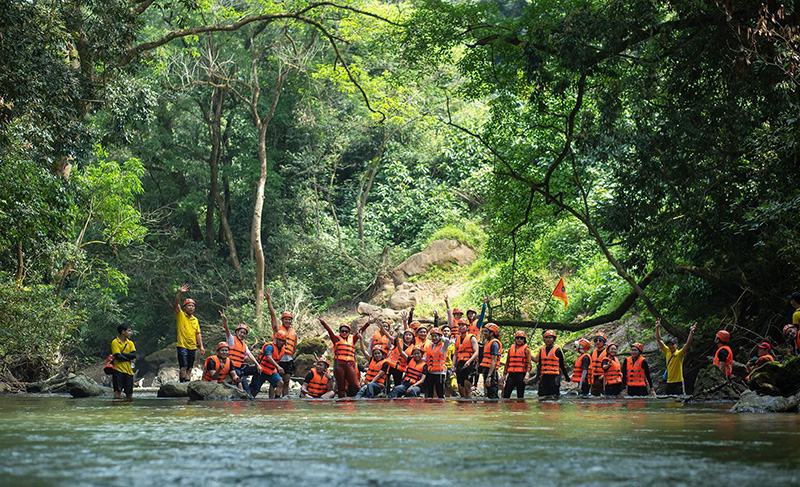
{"points": [[185, 358], [274, 378]]}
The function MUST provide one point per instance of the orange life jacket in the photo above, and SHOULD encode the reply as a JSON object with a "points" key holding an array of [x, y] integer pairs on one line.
{"points": [[318, 385], [381, 340], [464, 348], [345, 348], [224, 369], [375, 367], [595, 368], [434, 355], [578, 372], [291, 340], [398, 361], [267, 367], [516, 361], [549, 361], [421, 343], [473, 329], [761, 361], [238, 352], [613, 375], [728, 369], [414, 371], [487, 353], [635, 372]]}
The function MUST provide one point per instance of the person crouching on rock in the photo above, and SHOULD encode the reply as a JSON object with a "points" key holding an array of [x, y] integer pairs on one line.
{"points": [[377, 374], [270, 369], [219, 367], [239, 351], [416, 370], [764, 356], [344, 355], [612, 372], [318, 383]]}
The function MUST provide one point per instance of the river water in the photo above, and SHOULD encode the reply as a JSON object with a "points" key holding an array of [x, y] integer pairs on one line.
{"points": [[152, 442]]}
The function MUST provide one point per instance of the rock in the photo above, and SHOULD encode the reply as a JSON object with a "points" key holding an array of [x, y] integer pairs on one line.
{"points": [[776, 379], [165, 375], [712, 384], [305, 363], [752, 402], [174, 389], [83, 386], [403, 299], [54, 384], [368, 309], [440, 253], [214, 391], [166, 357], [311, 346]]}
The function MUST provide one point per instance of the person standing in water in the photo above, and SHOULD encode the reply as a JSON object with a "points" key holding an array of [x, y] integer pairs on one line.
{"points": [[723, 359], [435, 353], [492, 351], [550, 365], [189, 337], [466, 358], [583, 363], [124, 352], [518, 366], [612, 372], [674, 359], [596, 370], [636, 372]]}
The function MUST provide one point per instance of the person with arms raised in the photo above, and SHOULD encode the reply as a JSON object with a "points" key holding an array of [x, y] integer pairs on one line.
{"points": [[287, 359], [674, 359]]}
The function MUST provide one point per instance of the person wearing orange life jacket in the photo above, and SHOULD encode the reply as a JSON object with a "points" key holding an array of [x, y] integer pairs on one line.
{"points": [[398, 357], [218, 367], [764, 356], [723, 359], [583, 365], [318, 384], [287, 359], [474, 322], [792, 336], [435, 354], [376, 376], [492, 351], [636, 372], [518, 366], [466, 349], [550, 364], [414, 377], [269, 366], [383, 337], [345, 370], [239, 351], [596, 370], [612, 372]]}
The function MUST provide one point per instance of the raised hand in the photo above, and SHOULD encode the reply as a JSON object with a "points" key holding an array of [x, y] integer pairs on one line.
{"points": [[184, 288]]}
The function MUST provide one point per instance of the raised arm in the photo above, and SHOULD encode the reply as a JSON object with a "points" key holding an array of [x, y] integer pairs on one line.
{"points": [[658, 335], [361, 330], [272, 315], [328, 329], [225, 323], [176, 305], [689, 339], [449, 313], [483, 310]]}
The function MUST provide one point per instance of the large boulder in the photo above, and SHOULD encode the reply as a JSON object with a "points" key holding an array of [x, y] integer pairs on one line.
{"points": [[174, 389], [752, 402], [311, 346], [83, 386], [712, 384], [305, 363], [440, 253], [214, 391], [54, 384], [776, 379], [404, 298]]}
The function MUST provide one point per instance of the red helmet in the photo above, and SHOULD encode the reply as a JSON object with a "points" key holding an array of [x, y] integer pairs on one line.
{"points": [[242, 326], [601, 335], [187, 301], [723, 336], [223, 345], [492, 328], [286, 314], [436, 331], [638, 345], [520, 334], [789, 327], [584, 344], [280, 335], [458, 311], [549, 333]]}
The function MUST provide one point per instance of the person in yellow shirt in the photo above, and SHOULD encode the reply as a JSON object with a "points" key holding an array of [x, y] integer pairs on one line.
{"points": [[189, 338], [674, 360], [450, 384], [124, 353], [794, 300]]}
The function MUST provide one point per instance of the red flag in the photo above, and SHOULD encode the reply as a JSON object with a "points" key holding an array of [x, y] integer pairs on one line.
{"points": [[560, 292]]}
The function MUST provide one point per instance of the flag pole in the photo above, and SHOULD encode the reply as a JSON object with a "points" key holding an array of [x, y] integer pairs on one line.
{"points": [[542, 313]]}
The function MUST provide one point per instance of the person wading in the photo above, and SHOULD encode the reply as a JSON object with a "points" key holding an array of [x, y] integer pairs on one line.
{"points": [[580, 375], [612, 372], [550, 364], [492, 351], [674, 358], [636, 372], [723, 359], [466, 358], [518, 366], [596, 370]]}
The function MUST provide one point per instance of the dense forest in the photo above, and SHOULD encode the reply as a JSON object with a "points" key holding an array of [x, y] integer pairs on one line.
{"points": [[645, 149]]}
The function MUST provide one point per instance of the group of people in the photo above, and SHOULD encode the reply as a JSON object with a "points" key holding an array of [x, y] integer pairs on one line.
{"points": [[437, 361]]}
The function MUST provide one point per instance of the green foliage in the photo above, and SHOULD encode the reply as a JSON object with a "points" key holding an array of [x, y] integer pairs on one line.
{"points": [[468, 232]]}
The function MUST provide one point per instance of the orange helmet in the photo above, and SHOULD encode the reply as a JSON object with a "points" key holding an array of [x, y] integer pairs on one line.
{"points": [[345, 325], [584, 344], [549, 333], [612, 343], [409, 331], [280, 335], [492, 328], [638, 345], [471, 311], [421, 326], [187, 301], [286, 314], [242, 326], [723, 336], [418, 349], [601, 335], [458, 311], [378, 348], [414, 325], [223, 345], [788, 327], [323, 360], [520, 334], [436, 331]]}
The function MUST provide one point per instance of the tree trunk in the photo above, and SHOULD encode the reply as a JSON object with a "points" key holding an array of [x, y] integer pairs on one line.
{"points": [[255, 227]]}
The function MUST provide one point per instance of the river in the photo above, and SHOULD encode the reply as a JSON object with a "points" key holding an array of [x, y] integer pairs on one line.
{"points": [[152, 442]]}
